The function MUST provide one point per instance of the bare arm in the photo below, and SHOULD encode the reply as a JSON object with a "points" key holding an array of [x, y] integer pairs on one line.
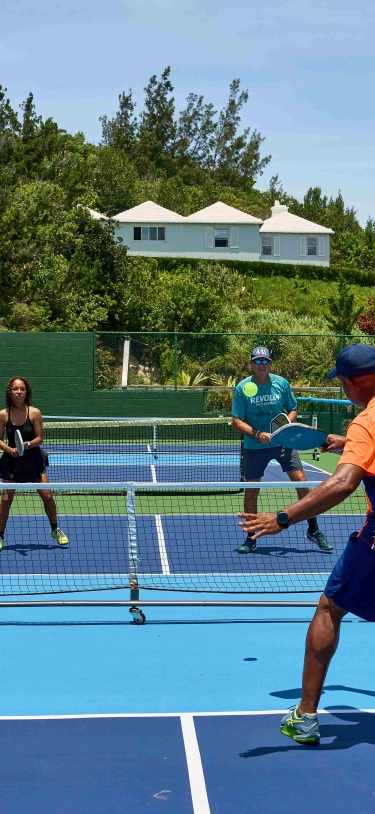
{"points": [[3, 445], [292, 415], [329, 493], [246, 429], [36, 418]]}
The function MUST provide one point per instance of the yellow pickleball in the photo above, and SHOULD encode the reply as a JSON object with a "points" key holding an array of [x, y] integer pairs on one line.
{"points": [[250, 389]]}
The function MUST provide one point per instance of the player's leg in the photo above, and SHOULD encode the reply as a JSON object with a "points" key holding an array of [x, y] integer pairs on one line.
{"points": [[250, 505], [7, 498], [322, 639], [291, 463], [321, 644], [255, 463], [51, 512]]}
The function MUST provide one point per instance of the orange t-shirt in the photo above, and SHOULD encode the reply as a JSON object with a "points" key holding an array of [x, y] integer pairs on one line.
{"points": [[360, 450]]}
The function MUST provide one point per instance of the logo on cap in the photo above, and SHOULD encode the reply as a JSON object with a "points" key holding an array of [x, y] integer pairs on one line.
{"points": [[262, 352]]}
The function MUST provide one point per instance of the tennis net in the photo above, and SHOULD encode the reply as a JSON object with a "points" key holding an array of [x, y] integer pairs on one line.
{"points": [[179, 537], [147, 450]]}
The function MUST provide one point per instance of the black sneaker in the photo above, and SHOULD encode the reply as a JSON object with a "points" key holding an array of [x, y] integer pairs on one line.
{"points": [[248, 546]]}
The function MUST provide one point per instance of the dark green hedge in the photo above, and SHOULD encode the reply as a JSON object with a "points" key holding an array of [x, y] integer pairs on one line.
{"points": [[266, 269]]}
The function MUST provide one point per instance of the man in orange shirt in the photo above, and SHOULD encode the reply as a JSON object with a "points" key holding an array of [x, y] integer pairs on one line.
{"points": [[351, 585]]}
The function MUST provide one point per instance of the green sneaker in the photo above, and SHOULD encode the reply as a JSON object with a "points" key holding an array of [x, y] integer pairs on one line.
{"points": [[248, 546], [303, 729], [320, 539], [59, 536]]}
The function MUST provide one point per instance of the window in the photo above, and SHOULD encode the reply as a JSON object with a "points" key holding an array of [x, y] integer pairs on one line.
{"points": [[266, 245], [149, 233], [312, 245], [221, 238], [322, 246]]}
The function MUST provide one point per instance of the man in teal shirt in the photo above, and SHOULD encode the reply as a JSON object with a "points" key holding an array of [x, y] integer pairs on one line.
{"points": [[257, 400]]}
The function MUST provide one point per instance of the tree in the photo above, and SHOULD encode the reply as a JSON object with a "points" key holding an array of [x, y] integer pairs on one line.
{"points": [[366, 320], [114, 181], [343, 314], [157, 126], [8, 118], [215, 144], [196, 130], [121, 132]]}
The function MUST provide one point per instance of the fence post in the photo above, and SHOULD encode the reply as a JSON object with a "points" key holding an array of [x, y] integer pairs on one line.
{"points": [[341, 347], [95, 359], [175, 358]]}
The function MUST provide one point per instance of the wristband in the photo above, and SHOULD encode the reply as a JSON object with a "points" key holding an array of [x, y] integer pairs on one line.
{"points": [[257, 433]]}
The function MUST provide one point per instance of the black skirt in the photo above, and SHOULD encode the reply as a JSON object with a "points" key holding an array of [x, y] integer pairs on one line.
{"points": [[29, 468]]}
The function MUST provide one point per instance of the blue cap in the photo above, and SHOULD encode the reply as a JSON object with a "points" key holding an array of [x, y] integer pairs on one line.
{"points": [[354, 361], [261, 353]]}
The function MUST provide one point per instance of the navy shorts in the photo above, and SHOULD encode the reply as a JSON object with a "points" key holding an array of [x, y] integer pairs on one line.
{"points": [[352, 582], [257, 460]]}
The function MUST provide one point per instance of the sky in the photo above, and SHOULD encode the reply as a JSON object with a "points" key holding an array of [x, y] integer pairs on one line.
{"points": [[308, 66]]}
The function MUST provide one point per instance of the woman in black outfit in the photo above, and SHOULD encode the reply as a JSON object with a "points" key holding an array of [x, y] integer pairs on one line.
{"points": [[19, 414]]}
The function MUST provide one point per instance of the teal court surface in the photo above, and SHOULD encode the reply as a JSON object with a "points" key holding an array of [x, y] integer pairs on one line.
{"points": [[100, 716]]}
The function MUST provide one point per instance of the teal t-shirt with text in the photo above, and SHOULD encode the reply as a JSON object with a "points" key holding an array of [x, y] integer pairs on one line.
{"points": [[258, 404]]}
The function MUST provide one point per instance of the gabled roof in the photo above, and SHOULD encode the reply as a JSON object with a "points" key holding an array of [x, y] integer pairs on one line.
{"points": [[293, 224], [221, 213], [148, 212], [97, 215]]}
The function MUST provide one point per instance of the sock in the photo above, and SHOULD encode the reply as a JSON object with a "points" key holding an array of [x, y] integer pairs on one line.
{"points": [[2, 535], [250, 535], [53, 526], [313, 524]]}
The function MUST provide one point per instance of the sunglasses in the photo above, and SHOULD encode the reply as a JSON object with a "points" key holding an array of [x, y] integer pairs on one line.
{"points": [[261, 361]]}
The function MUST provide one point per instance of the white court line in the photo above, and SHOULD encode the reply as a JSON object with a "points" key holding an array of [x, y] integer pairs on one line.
{"points": [[212, 714], [159, 528], [194, 764], [152, 466], [162, 546]]}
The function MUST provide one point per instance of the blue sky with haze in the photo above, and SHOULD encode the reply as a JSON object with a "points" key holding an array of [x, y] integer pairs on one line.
{"points": [[308, 66]]}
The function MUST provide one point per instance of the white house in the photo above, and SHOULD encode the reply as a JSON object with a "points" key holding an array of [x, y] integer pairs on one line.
{"points": [[286, 238], [217, 232], [221, 232], [97, 215]]}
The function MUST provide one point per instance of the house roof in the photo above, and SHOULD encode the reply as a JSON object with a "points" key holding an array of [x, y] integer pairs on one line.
{"points": [[148, 212], [97, 215], [221, 213], [292, 224]]}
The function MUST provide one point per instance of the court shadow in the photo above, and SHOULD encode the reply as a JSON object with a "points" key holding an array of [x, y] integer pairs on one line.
{"points": [[280, 551], [360, 729], [24, 550], [296, 693]]}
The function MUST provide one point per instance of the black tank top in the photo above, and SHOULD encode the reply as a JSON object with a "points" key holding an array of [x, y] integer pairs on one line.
{"points": [[26, 429]]}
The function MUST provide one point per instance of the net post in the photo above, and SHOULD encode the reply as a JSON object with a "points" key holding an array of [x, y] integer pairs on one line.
{"points": [[132, 542]]}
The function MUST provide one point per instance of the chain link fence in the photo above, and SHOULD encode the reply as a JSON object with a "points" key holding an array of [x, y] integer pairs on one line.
{"points": [[214, 362]]}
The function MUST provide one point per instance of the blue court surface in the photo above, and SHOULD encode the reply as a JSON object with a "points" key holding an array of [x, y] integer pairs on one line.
{"points": [[100, 716], [70, 463]]}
